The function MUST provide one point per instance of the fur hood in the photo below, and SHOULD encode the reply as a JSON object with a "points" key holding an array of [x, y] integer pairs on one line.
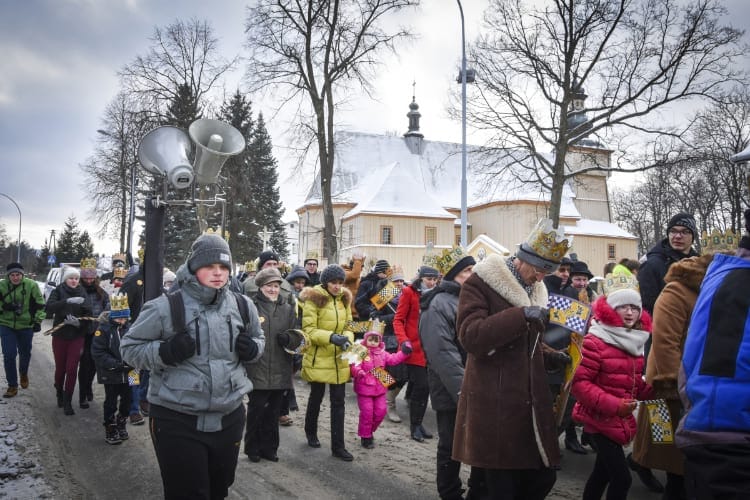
{"points": [[690, 271], [494, 271], [320, 296], [604, 314]]}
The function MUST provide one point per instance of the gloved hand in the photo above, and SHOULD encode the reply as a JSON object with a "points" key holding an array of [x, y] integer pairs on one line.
{"points": [[557, 359], [626, 407], [75, 300], [340, 340], [36, 327], [246, 347], [406, 348], [72, 321], [283, 339], [536, 314], [177, 348]]}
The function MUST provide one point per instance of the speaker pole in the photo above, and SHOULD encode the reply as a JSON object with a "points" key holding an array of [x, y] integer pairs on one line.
{"points": [[154, 252]]}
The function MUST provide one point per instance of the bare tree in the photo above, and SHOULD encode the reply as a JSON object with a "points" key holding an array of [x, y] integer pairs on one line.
{"points": [[317, 50], [636, 57]]}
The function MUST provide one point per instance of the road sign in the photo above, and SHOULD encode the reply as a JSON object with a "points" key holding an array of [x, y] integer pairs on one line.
{"points": [[51, 260]]}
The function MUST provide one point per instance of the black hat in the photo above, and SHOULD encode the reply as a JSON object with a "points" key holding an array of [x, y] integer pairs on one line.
{"points": [[298, 272], [332, 272], [460, 266], [209, 249], [428, 272], [381, 266], [265, 256], [580, 267], [685, 220], [14, 267]]}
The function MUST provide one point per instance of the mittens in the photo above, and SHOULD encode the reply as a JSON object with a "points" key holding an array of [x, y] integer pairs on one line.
{"points": [[177, 348], [246, 347], [72, 321], [283, 339], [406, 348], [340, 340]]}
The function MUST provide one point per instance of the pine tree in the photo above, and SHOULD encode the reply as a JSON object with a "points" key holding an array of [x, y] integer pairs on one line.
{"points": [[68, 242], [84, 246]]}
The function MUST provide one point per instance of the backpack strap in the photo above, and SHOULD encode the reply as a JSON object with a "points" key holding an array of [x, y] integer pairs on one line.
{"points": [[244, 309], [177, 311]]}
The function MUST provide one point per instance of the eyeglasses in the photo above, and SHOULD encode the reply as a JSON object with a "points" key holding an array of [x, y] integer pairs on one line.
{"points": [[629, 307], [681, 232]]}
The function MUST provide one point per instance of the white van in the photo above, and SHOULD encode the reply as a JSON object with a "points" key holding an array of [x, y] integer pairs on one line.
{"points": [[54, 277]]}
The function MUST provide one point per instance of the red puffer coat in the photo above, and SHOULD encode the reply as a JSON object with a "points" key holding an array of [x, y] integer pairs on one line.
{"points": [[607, 375], [406, 324]]}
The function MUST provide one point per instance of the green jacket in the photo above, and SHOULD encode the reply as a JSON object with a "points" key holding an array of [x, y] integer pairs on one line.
{"points": [[323, 315], [30, 299], [273, 371]]}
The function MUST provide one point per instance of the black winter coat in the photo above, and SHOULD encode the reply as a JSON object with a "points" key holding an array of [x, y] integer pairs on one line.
{"points": [[368, 287], [105, 349], [651, 273], [58, 306]]}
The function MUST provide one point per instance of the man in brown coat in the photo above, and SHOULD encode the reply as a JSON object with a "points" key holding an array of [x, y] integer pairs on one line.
{"points": [[504, 422]]}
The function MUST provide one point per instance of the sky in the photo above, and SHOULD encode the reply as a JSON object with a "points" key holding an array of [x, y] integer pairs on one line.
{"points": [[59, 67]]}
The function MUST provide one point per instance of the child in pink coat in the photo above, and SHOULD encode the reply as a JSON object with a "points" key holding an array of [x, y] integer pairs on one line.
{"points": [[369, 389]]}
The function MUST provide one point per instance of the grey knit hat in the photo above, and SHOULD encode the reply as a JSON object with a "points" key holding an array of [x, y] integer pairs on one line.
{"points": [[332, 272], [209, 249]]}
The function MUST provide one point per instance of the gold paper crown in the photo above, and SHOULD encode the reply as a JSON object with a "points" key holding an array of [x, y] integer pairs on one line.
{"points": [[311, 255], [118, 302], [447, 259], [718, 241], [613, 283], [218, 231], [547, 242], [121, 257], [119, 272], [89, 263], [377, 326]]}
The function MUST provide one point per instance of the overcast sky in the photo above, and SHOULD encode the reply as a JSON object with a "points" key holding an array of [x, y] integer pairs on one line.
{"points": [[59, 61]]}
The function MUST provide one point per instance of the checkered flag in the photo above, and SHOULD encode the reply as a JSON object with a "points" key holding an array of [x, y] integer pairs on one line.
{"points": [[567, 312], [134, 377], [385, 295], [659, 421]]}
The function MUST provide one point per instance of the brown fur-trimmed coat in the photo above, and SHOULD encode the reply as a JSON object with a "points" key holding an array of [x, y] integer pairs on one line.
{"points": [[504, 418], [672, 312]]}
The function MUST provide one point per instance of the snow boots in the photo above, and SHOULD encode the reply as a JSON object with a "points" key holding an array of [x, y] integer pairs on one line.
{"points": [[59, 391], [67, 403], [111, 435], [390, 398], [121, 430]]}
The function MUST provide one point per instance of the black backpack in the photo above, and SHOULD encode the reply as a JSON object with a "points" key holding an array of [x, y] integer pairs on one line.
{"points": [[177, 311]]}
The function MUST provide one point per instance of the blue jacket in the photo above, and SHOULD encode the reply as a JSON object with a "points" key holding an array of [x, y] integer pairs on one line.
{"points": [[716, 373]]}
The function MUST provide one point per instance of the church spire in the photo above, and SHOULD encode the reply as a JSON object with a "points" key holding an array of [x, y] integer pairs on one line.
{"points": [[414, 115]]}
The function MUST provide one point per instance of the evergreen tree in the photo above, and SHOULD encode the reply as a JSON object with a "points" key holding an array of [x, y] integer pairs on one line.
{"points": [[184, 109], [84, 245], [68, 243]]}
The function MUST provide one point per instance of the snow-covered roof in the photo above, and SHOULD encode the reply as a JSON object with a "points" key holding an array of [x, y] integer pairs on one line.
{"points": [[589, 227], [436, 170]]}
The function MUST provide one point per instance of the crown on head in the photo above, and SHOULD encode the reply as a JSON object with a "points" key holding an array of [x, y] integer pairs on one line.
{"points": [[88, 263], [118, 302], [613, 283], [448, 258], [120, 259], [119, 272], [718, 241], [547, 242]]}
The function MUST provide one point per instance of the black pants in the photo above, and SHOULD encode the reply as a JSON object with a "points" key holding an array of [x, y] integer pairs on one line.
{"points": [[610, 472], [111, 405], [262, 426], [522, 484], [717, 472], [419, 394], [288, 402], [337, 393], [448, 470], [195, 464], [86, 370]]}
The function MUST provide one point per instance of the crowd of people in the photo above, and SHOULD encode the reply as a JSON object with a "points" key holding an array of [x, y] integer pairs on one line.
{"points": [[211, 361]]}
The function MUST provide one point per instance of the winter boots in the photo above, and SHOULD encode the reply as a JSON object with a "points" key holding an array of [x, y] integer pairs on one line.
{"points": [[83, 401], [111, 435], [67, 403], [11, 391], [390, 398], [59, 391], [24, 381], [121, 430]]}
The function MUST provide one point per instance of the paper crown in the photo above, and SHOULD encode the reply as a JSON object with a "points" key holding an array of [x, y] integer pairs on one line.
{"points": [[89, 263], [119, 272], [718, 241], [377, 326], [614, 283], [447, 259], [119, 260], [119, 307], [397, 272], [546, 246]]}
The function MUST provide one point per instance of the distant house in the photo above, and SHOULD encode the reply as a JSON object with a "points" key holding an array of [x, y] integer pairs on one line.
{"points": [[398, 198], [291, 229]]}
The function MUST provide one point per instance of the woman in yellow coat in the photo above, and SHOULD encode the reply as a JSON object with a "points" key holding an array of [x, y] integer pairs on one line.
{"points": [[325, 314]]}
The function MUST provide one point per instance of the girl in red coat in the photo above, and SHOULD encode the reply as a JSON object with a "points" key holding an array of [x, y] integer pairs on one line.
{"points": [[608, 384]]}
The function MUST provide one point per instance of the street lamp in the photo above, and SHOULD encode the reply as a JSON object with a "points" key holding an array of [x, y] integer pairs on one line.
{"points": [[464, 78], [131, 214], [19, 224]]}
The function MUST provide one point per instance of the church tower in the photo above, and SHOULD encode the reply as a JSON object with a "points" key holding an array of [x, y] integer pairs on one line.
{"points": [[413, 136]]}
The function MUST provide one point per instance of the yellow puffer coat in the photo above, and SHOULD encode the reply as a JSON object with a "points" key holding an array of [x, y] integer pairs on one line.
{"points": [[323, 315]]}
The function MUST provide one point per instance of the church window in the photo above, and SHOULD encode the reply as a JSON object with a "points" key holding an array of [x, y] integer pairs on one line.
{"points": [[430, 235], [611, 251], [386, 235]]}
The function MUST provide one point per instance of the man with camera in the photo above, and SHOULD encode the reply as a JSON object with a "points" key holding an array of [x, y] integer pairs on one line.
{"points": [[21, 315]]}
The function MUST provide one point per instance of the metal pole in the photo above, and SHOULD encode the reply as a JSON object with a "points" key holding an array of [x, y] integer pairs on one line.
{"points": [[19, 224], [464, 243]]}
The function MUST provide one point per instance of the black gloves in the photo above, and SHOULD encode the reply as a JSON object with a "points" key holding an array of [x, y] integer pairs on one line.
{"points": [[246, 347], [36, 327], [406, 347], [340, 340], [283, 339], [536, 314], [557, 359], [177, 348]]}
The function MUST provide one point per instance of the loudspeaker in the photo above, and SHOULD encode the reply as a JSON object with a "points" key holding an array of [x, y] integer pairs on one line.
{"points": [[164, 151], [216, 141], [743, 155]]}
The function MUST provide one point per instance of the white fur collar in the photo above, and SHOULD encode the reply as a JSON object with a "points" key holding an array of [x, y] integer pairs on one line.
{"points": [[494, 271]]}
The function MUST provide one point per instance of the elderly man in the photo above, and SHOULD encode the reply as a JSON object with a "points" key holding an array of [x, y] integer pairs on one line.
{"points": [[504, 422]]}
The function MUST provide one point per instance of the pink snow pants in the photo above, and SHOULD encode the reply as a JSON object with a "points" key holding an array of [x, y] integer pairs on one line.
{"points": [[372, 410]]}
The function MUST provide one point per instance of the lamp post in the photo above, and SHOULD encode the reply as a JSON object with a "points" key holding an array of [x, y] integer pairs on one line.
{"points": [[131, 212], [18, 245], [464, 243]]}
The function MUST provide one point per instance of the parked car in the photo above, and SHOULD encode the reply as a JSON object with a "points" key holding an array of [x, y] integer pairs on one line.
{"points": [[54, 277]]}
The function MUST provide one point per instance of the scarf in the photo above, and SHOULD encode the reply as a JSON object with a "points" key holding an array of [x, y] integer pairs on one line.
{"points": [[626, 339]]}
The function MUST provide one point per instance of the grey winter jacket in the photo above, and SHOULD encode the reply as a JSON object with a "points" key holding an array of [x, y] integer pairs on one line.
{"points": [[211, 383], [274, 369], [445, 357]]}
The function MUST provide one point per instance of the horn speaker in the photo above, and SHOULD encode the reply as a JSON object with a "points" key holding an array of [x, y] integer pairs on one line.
{"points": [[216, 141], [164, 151]]}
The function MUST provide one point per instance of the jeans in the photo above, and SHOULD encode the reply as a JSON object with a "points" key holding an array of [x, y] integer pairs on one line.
{"points": [[15, 342], [139, 392]]}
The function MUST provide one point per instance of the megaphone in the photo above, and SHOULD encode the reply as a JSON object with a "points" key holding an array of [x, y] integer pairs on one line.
{"points": [[743, 155], [216, 141], [164, 151]]}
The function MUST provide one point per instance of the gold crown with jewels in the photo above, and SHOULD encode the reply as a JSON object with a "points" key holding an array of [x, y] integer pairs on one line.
{"points": [[548, 242], [119, 272], [88, 263], [717, 241]]}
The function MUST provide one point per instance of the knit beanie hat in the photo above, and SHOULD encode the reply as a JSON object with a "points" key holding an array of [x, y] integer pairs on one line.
{"points": [[70, 272], [168, 277], [265, 256], [381, 266], [14, 267], [268, 275], [685, 220], [332, 272], [209, 249], [428, 272], [459, 266]]}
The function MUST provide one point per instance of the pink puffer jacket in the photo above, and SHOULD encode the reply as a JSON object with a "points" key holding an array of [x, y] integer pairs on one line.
{"points": [[365, 383]]}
